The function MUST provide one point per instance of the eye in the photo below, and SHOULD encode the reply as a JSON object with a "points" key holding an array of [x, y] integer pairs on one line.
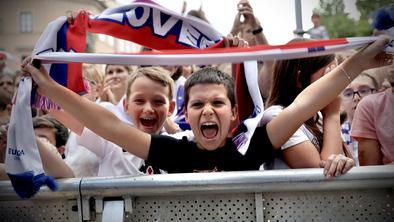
{"points": [[217, 103], [196, 104], [347, 93], [139, 101], [159, 102], [364, 89]]}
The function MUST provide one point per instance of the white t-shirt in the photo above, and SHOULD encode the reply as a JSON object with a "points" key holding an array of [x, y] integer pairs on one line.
{"points": [[318, 33], [301, 135], [81, 160], [111, 158]]}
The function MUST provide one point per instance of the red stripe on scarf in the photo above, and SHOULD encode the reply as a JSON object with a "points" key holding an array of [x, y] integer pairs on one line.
{"points": [[244, 101], [76, 41]]}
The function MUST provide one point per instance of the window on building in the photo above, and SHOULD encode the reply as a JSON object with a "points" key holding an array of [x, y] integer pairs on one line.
{"points": [[26, 21]]}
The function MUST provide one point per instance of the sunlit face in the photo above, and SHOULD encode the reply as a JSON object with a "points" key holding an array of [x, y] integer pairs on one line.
{"points": [[148, 105], [116, 76], [360, 84], [7, 84], [210, 115], [47, 133]]}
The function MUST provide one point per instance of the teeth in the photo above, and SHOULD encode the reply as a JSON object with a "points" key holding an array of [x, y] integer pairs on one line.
{"points": [[209, 124], [147, 118]]}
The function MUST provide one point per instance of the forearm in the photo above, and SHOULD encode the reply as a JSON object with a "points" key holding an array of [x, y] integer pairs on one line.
{"points": [[317, 95], [67, 120], [100, 120], [85, 111], [369, 152], [332, 141], [53, 164], [261, 39], [311, 100]]}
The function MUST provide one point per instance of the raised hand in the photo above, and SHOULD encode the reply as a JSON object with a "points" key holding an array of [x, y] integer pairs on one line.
{"points": [[336, 165], [235, 41]]}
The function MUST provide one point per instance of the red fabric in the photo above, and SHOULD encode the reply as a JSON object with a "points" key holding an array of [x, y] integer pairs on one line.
{"points": [[244, 101]]}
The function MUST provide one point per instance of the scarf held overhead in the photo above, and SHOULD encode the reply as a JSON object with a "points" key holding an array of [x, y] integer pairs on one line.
{"points": [[142, 22], [151, 25]]}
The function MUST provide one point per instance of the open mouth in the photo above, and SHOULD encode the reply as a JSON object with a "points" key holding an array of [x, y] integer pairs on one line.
{"points": [[148, 122], [209, 130]]}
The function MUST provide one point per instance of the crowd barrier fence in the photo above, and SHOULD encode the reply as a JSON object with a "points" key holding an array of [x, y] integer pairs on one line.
{"points": [[363, 194]]}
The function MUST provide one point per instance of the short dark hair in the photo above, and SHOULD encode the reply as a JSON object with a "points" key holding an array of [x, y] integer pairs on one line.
{"points": [[210, 75], [61, 132]]}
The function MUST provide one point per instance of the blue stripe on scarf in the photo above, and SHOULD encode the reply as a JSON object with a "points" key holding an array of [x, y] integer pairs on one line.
{"points": [[27, 185], [59, 72]]}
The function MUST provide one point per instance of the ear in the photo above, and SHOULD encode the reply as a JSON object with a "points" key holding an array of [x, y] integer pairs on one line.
{"points": [[171, 108], [234, 113], [61, 150], [299, 85], [186, 114]]}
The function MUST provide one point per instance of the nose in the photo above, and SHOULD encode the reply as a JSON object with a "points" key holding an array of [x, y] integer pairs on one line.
{"points": [[358, 96], [207, 111], [148, 107]]}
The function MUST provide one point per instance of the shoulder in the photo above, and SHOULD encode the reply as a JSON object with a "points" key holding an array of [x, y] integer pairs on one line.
{"points": [[270, 113], [167, 143], [370, 102], [180, 135]]}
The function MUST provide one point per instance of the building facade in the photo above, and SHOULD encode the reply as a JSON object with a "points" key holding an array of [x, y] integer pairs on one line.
{"points": [[23, 21]]}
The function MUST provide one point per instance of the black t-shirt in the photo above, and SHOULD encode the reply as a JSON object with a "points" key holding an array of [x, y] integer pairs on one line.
{"points": [[183, 156]]}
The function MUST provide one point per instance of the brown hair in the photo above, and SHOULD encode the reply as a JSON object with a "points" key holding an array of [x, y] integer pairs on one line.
{"points": [[209, 75], [157, 74], [46, 121], [288, 75]]}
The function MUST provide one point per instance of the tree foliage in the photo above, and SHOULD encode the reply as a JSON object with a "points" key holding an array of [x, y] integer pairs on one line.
{"points": [[368, 7], [339, 24]]}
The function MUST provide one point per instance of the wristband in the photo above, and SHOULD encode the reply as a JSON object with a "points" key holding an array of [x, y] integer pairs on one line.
{"points": [[257, 31]]}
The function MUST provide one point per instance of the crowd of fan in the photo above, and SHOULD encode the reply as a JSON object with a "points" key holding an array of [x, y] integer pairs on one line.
{"points": [[354, 129]]}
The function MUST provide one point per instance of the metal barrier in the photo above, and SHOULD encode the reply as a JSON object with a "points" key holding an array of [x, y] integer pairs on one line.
{"points": [[363, 194]]}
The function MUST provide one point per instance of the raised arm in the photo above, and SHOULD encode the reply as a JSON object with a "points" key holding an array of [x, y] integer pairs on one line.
{"points": [[67, 120], [91, 115], [326, 89], [52, 163], [332, 140]]}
